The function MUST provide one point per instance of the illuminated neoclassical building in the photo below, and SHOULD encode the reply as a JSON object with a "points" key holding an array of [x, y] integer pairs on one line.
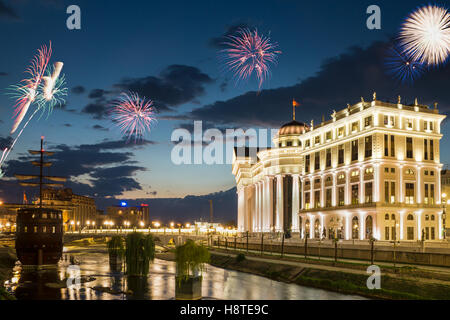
{"points": [[373, 169]]}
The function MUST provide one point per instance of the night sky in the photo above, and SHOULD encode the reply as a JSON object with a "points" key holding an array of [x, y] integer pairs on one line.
{"points": [[168, 51]]}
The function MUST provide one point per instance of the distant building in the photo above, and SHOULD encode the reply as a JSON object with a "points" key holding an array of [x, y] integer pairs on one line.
{"points": [[7, 219], [136, 216], [77, 210]]}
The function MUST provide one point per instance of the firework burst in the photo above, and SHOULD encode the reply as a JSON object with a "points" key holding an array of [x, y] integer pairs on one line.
{"points": [[425, 35], [133, 115], [402, 67], [53, 90], [249, 52], [26, 91]]}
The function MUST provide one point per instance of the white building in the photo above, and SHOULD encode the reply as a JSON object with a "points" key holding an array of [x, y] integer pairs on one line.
{"points": [[372, 170]]}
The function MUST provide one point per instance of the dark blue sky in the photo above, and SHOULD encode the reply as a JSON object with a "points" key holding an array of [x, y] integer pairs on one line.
{"points": [[165, 50]]}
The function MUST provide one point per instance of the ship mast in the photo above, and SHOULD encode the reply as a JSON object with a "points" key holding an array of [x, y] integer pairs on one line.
{"points": [[41, 164]]}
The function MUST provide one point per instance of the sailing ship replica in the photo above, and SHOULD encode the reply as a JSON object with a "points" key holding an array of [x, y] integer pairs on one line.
{"points": [[39, 235]]}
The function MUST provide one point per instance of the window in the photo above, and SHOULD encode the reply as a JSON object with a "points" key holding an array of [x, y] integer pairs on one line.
{"points": [[354, 126], [393, 217], [25, 229], [386, 192], [341, 177], [368, 192], [289, 144], [369, 170], [432, 233], [317, 199], [429, 194], [392, 170], [432, 217], [409, 199], [355, 173], [392, 192], [341, 196], [317, 140], [355, 194], [392, 146], [44, 229], [307, 163], [328, 198], [307, 143], [386, 233], [431, 173], [317, 161], [368, 147], [386, 145], [425, 149], [410, 233], [386, 216], [409, 148], [354, 150], [328, 158], [53, 229], [307, 200], [341, 154], [328, 136], [410, 217], [409, 124], [431, 150], [35, 229], [44, 216], [368, 121], [409, 172], [340, 132], [389, 121]]}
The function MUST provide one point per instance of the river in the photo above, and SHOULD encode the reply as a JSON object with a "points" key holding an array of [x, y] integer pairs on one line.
{"points": [[98, 282]]}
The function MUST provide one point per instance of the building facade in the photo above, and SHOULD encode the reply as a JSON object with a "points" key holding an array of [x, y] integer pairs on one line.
{"points": [[77, 210], [373, 170], [136, 216]]}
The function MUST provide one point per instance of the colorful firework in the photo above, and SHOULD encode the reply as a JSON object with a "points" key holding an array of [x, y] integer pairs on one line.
{"points": [[402, 67], [27, 90], [133, 115], [53, 89], [425, 35], [249, 52]]}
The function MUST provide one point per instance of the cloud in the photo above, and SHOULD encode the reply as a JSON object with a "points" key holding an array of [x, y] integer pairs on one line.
{"points": [[78, 90], [341, 80], [5, 143], [97, 93], [174, 86], [98, 109], [99, 127], [104, 168], [8, 12]]}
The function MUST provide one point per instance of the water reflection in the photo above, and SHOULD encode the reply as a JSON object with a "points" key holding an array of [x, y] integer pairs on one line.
{"points": [[99, 282]]}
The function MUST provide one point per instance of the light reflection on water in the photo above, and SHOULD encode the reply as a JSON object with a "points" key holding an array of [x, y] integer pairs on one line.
{"points": [[159, 285]]}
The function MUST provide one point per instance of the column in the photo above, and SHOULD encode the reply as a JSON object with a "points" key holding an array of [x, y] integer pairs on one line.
{"points": [[295, 202], [311, 226], [419, 224], [400, 196], [361, 185], [334, 192], [279, 222], [419, 185], [303, 194], [347, 187], [260, 211], [270, 222], [256, 213], [376, 188], [402, 215], [241, 209], [362, 226], [347, 227], [322, 191], [438, 191]]}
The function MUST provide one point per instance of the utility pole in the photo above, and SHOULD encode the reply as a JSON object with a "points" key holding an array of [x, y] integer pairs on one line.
{"points": [[211, 212]]}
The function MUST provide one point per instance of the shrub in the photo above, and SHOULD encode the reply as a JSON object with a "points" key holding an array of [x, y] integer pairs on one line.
{"points": [[240, 257]]}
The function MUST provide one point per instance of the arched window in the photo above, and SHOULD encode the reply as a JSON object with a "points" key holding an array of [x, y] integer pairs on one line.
{"points": [[393, 216], [410, 217], [386, 216], [427, 217], [355, 228], [317, 229], [432, 217]]}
